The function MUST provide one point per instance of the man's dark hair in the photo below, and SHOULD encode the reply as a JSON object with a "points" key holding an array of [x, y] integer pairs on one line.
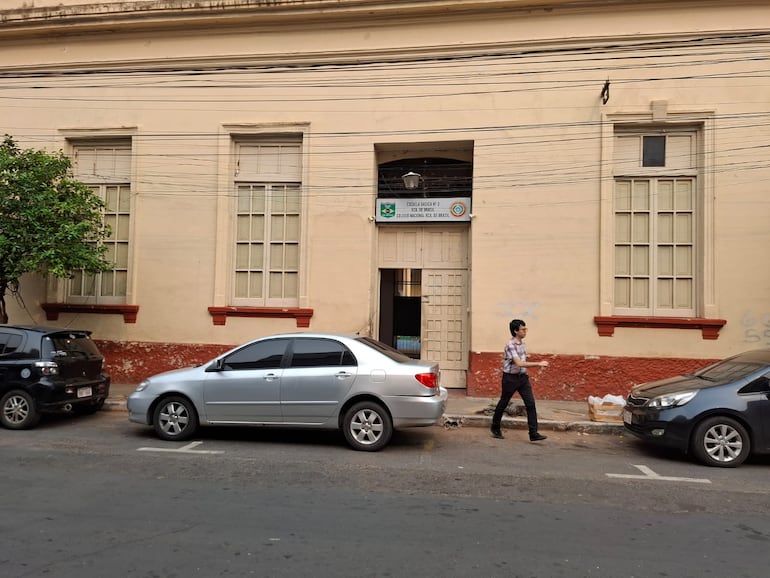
{"points": [[515, 325]]}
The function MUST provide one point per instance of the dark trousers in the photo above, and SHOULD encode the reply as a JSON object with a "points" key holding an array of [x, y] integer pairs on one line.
{"points": [[513, 383]]}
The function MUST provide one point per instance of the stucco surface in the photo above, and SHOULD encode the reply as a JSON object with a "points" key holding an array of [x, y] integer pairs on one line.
{"points": [[524, 87]]}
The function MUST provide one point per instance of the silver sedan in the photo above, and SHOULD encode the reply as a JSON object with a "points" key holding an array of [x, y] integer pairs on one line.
{"points": [[308, 380]]}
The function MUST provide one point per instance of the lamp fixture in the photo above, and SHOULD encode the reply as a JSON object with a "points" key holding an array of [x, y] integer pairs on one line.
{"points": [[411, 180]]}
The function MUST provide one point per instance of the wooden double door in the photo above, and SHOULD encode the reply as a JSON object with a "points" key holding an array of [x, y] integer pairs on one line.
{"points": [[440, 254]]}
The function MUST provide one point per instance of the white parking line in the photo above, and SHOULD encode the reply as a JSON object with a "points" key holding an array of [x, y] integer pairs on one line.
{"points": [[188, 449], [650, 475]]}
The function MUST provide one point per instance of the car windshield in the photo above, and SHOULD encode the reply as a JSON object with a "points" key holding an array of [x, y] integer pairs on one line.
{"points": [[731, 369], [394, 354]]}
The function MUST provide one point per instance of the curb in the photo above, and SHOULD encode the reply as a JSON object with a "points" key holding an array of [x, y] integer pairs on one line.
{"points": [[111, 404], [583, 426], [460, 420]]}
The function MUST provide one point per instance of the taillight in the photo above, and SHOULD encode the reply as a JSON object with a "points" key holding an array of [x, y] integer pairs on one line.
{"points": [[47, 367], [428, 379]]}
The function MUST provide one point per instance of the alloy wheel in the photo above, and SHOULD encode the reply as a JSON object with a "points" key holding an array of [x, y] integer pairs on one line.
{"points": [[175, 418], [16, 409], [366, 426], [723, 443]]}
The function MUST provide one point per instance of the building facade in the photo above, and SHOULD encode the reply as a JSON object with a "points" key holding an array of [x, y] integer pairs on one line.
{"points": [[418, 171]]}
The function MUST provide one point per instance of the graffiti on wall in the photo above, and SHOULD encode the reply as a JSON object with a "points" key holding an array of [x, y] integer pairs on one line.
{"points": [[756, 328], [518, 310]]}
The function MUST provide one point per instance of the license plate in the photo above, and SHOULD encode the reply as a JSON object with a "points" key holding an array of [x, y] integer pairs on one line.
{"points": [[84, 392], [626, 416]]}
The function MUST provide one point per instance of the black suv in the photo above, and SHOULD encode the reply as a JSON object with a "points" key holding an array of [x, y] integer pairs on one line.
{"points": [[47, 369]]}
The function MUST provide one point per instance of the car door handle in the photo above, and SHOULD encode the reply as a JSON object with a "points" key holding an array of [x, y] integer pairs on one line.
{"points": [[270, 377], [343, 374]]}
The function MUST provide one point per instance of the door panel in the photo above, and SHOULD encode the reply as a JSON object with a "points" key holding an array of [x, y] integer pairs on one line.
{"points": [[310, 395], [248, 387], [444, 320], [445, 249], [244, 396], [441, 252], [400, 248], [319, 375]]}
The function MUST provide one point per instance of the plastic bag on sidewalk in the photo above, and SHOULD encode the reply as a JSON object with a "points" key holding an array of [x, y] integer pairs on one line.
{"points": [[606, 409]]}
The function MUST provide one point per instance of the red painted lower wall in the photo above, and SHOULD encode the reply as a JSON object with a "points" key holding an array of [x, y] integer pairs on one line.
{"points": [[131, 362], [568, 378], [575, 377]]}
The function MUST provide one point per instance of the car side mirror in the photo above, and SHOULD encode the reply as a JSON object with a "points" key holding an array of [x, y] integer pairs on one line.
{"points": [[216, 365]]}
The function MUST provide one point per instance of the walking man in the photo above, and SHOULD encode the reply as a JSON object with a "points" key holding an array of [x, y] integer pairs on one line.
{"points": [[515, 378]]}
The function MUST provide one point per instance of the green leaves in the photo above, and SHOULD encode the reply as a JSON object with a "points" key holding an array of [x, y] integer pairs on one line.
{"points": [[49, 222]]}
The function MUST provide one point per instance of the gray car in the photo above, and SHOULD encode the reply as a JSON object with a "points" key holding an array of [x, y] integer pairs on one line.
{"points": [[307, 380]]}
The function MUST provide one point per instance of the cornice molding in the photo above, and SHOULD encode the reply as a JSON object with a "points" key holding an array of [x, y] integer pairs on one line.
{"points": [[119, 16], [528, 47]]}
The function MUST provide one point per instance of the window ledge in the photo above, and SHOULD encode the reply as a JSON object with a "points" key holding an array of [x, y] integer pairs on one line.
{"points": [[220, 314], [52, 310], [709, 327]]}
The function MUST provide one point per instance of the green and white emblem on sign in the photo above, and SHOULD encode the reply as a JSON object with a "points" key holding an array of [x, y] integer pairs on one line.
{"points": [[387, 210]]}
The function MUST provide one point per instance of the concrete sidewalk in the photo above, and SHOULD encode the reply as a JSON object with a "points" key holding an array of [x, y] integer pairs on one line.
{"points": [[464, 411]]}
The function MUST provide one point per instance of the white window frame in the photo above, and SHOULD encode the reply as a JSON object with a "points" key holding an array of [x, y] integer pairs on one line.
{"points": [[230, 176], [268, 245], [658, 121], [58, 290], [651, 213]]}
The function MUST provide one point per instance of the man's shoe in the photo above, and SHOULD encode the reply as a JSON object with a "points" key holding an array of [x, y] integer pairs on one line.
{"points": [[537, 437], [496, 433]]}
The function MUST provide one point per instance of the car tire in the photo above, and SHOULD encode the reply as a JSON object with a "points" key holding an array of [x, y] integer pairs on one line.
{"points": [[18, 410], [367, 426], [721, 442], [175, 419]]}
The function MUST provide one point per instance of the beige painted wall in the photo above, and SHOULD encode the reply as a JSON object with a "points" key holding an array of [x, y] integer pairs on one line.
{"points": [[534, 118]]}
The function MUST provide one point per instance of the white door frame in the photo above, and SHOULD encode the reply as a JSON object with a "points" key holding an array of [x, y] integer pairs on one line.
{"points": [[442, 253]]}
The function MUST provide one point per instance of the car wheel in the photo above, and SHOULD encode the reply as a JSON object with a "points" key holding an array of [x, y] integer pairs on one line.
{"points": [[367, 426], [721, 442], [18, 410], [175, 419]]}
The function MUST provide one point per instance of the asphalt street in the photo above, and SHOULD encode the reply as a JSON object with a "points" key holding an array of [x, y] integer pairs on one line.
{"points": [[95, 496]]}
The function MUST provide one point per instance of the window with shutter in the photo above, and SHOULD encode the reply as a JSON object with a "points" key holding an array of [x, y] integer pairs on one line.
{"points": [[106, 168], [655, 206], [267, 223]]}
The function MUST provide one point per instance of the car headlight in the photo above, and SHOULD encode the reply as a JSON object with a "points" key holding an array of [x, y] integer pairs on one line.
{"points": [[672, 399], [142, 386]]}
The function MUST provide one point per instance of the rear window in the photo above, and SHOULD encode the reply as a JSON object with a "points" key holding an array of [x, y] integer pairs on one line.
{"points": [[394, 354], [320, 353], [72, 345]]}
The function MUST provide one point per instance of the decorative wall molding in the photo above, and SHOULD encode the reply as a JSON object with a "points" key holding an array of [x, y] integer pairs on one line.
{"points": [[220, 314], [709, 327], [52, 310]]}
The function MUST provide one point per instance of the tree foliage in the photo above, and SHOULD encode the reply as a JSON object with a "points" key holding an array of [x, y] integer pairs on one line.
{"points": [[49, 222]]}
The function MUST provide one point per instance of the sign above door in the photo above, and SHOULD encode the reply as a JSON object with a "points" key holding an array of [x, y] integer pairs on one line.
{"points": [[423, 210]]}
